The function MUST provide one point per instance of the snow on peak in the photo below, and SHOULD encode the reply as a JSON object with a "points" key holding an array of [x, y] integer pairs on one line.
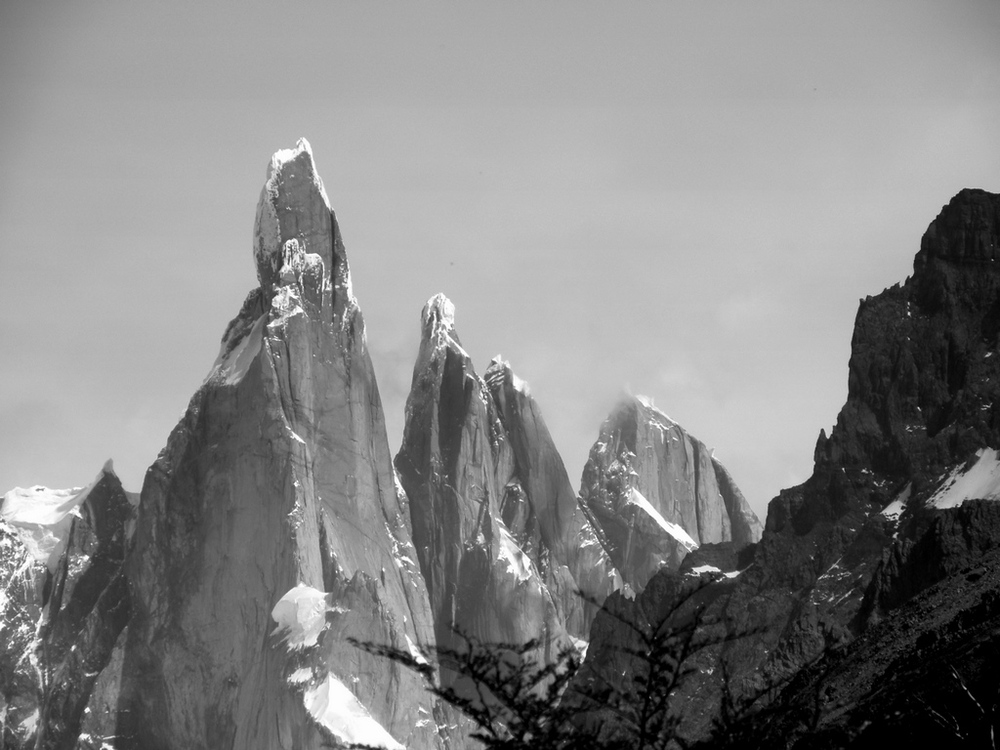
{"points": [[231, 366], [42, 517], [677, 532], [500, 365], [284, 156], [335, 707], [300, 616], [647, 403], [978, 481], [439, 312], [701, 569]]}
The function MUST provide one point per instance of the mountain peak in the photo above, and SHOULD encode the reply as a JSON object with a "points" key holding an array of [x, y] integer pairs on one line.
{"points": [[293, 214], [438, 315], [500, 371], [967, 229]]}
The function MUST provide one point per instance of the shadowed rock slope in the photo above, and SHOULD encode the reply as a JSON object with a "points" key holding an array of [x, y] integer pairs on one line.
{"points": [[923, 382]]}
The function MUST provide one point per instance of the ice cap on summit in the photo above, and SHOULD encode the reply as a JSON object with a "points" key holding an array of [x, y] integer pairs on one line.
{"points": [[439, 312]]}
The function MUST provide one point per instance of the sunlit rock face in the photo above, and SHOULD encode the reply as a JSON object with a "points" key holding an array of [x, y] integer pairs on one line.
{"points": [[481, 537], [541, 509], [655, 493], [63, 607], [277, 477]]}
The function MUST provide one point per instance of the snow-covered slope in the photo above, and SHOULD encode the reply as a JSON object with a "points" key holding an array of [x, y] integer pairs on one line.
{"points": [[977, 480]]}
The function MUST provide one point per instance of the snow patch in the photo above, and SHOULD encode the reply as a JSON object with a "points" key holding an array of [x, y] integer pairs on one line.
{"points": [[517, 562], [712, 569], [980, 481], [677, 532], [300, 616], [647, 402], [232, 367], [42, 517], [300, 676], [895, 508], [335, 707], [414, 651]]}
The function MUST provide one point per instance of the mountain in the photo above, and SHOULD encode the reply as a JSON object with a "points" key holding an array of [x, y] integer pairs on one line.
{"points": [[547, 517], [220, 608], [271, 527], [878, 521], [655, 493], [63, 607], [497, 529]]}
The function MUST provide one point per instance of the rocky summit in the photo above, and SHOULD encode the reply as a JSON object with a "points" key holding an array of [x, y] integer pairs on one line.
{"points": [[222, 607], [654, 493]]}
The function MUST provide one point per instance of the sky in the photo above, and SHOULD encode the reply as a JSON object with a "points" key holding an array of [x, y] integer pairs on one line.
{"points": [[683, 200]]}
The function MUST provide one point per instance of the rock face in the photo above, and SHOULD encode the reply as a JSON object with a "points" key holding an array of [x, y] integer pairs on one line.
{"points": [[923, 675], [487, 545], [278, 477], [542, 511], [923, 388], [64, 606], [654, 493]]}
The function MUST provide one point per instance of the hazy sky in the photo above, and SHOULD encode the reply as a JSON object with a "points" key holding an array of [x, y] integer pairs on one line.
{"points": [[687, 199]]}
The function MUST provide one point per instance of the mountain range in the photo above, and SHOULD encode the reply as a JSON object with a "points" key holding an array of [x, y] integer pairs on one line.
{"points": [[218, 607]]}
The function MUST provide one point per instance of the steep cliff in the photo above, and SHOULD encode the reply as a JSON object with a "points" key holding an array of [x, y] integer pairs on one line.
{"points": [[654, 493], [271, 527], [541, 509], [457, 466]]}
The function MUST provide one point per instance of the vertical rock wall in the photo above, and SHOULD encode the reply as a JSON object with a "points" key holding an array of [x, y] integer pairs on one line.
{"points": [[278, 475], [656, 493], [458, 469]]}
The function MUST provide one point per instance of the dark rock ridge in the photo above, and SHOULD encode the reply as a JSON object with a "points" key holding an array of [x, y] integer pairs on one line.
{"points": [[271, 528], [923, 676], [65, 604], [654, 493], [954, 541], [923, 387]]}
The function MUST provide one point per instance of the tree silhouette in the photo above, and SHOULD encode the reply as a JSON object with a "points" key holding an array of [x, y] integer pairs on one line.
{"points": [[516, 703]]}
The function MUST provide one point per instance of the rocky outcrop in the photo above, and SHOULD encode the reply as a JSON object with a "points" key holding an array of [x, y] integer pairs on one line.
{"points": [[278, 477], [654, 493], [924, 381], [64, 606], [955, 540], [484, 540], [925, 675]]}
